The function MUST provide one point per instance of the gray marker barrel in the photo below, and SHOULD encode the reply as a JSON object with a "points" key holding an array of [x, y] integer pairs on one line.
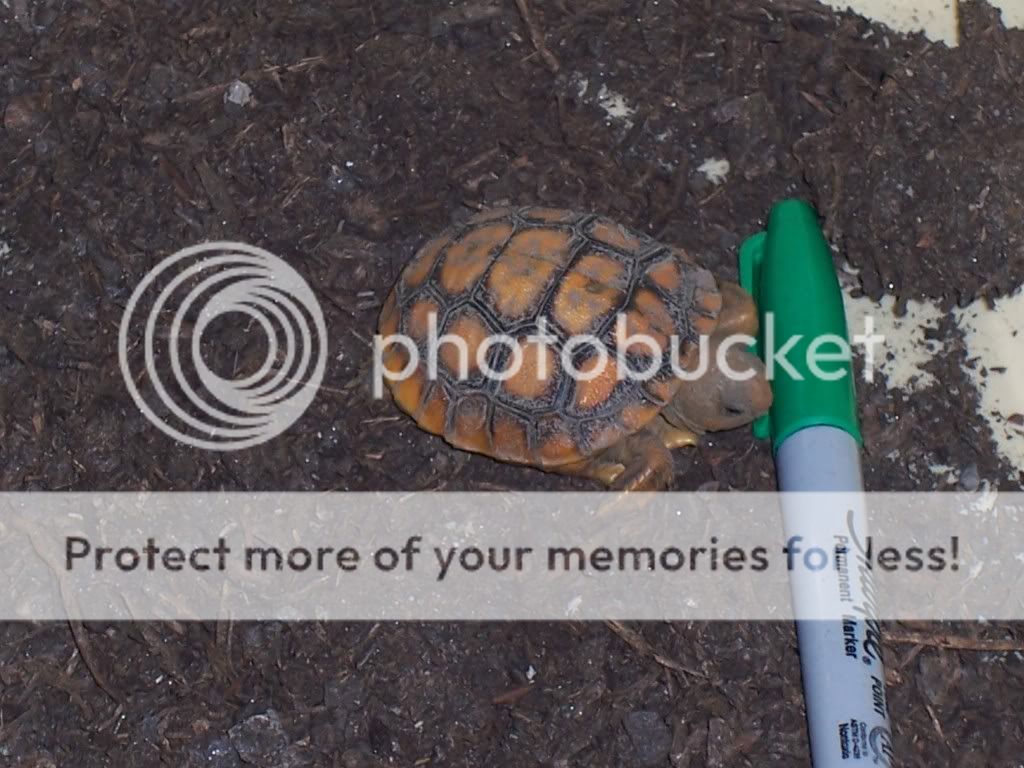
{"points": [[839, 637]]}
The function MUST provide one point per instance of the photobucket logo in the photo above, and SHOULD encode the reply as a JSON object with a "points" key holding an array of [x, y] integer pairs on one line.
{"points": [[825, 355], [185, 293]]}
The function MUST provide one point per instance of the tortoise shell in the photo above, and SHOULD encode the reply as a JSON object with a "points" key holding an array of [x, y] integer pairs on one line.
{"points": [[521, 272]]}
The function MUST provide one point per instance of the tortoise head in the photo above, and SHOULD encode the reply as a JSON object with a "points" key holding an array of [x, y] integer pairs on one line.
{"points": [[730, 394], [724, 397]]}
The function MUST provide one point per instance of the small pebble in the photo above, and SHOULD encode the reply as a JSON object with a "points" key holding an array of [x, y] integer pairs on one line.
{"points": [[24, 117], [238, 93], [219, 753], [260, 739], [359, 757], [969, 478], [341, 180], [649, 737]]}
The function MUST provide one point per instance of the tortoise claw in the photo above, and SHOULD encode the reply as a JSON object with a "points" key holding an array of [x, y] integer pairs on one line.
{"points": [[608, 473], [673, 437]]}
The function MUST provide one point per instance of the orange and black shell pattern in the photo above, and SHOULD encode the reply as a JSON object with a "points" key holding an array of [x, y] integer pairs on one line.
{"points": [[518, 272]]}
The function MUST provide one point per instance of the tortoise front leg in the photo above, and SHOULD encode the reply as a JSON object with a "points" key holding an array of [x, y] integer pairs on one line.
{"points": [[641, 462]]}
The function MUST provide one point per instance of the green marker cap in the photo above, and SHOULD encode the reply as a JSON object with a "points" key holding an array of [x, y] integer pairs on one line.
{"points": [[788, 270]]}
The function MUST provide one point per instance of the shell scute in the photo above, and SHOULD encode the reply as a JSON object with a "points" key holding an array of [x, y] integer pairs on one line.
{"points": [[582, 302], [533, 374], [419, 269], [525, 268], [467, 258], [616, 236], [556, 445], [433, 413], [460, 346], [511, 438], [597, 380], [467, 428], [549, 215]]}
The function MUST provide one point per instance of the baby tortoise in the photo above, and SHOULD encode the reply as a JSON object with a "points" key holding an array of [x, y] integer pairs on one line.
{"points": [[528, 272]]}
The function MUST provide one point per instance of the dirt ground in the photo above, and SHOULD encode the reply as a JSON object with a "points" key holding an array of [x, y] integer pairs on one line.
{"points": [[373, 125]]}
